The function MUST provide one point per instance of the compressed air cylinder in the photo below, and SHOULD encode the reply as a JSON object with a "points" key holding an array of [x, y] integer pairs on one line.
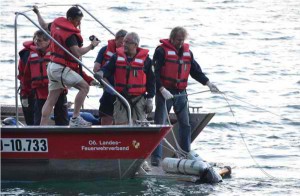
{"points": [[184, 166], [191, 167]]}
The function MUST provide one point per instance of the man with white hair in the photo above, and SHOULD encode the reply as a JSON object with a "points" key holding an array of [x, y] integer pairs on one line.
{"points": [[133, 78]]}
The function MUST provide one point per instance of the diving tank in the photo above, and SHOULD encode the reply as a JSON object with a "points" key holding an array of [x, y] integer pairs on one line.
{"points": [[191, 167]]}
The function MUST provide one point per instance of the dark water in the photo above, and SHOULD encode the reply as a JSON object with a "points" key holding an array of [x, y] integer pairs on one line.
{"points": [[249, 49]]}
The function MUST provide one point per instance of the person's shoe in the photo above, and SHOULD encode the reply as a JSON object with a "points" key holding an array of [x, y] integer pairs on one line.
{"points": [[79, 122], [155, 161]]}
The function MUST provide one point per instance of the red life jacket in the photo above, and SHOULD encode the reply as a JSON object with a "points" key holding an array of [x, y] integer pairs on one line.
{"points": [[109, 52], [38, 71], [61, 29], [176, 70], [130, 77], [28, 46]]}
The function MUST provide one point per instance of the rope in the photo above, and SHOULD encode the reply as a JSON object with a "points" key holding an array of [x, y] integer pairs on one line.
{"points": [[179, 149], [283, 118], [243, 139], [237, 124], [191, 93], [172, 149]]}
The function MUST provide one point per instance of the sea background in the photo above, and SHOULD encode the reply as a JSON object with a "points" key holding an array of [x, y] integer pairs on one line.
{"points": [[249, 48]]}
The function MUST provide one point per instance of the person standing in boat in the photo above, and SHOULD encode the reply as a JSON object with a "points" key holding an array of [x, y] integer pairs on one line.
{"points": [[173, 63], [134, 79], [108, 98], [26, 95], [35, 78], [63, 70]]}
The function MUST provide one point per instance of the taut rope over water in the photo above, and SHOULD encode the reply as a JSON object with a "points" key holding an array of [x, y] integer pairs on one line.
{"points": [[243, 139]]}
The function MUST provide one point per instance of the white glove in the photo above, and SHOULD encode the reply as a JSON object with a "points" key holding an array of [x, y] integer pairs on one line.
{"points": [[166, 94], [99, 75], [213, 88], [149, 106], [25, 102]]}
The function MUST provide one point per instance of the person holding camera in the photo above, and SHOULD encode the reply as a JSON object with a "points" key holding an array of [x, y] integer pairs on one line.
{"points": [[64, 70]]}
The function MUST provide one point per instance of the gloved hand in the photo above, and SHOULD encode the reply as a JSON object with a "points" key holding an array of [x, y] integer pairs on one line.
{"points": [[149, 106], [99, 75], [166, 94], [24, 102], [213, 88]]}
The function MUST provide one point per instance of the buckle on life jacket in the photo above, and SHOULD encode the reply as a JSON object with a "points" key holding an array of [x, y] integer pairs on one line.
{"points": [[128, 67]]}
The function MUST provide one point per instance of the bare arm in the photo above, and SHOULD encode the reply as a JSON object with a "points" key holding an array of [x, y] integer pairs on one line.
{"points": [[80, 51], [83, 50], [42, 22]]}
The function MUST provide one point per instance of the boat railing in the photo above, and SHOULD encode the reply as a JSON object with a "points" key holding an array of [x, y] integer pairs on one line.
{"points": [[75, 58], [77, 5]]}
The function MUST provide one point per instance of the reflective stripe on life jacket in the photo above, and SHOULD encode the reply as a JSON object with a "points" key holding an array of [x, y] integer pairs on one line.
{"points": [[130, 78], [61, 30], [109, 52], [176, 70]]}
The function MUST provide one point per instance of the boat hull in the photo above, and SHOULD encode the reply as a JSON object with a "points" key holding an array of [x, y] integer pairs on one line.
{"points": [[51, 153], [66, 159]]}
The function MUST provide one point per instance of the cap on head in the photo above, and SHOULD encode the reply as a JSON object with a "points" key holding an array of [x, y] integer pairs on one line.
{"points": [[74, 12]]}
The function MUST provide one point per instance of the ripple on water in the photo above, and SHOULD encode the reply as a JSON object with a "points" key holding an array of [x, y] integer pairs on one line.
{"points": [[120, 8], [294, 106], [290, 93], [278, 38], [11, 61], [214, 43], [273, 137]]}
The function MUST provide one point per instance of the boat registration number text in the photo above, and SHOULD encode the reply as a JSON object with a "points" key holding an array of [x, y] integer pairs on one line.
{"points": [[24, 145]]}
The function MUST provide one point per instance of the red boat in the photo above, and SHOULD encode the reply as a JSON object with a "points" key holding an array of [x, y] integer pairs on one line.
{"points": [[47, 153], [35, 153]]}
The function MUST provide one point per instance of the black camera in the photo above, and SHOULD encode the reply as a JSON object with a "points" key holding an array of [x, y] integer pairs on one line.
{"points": [[92, 37]]}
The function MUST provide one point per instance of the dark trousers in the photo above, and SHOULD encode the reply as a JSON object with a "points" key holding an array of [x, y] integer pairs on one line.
{"points": [[28, 111], [60, 111], [180, 106]]}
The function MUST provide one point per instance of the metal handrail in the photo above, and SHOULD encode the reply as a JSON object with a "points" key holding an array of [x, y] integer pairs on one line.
{"points": [[96, 19], [78, 5], [75, 58]]}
